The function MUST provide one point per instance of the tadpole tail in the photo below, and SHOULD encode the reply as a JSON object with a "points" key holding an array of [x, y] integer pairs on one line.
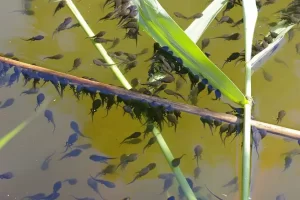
{"points": [[92, 116], [98, 174], [163, 192], [237, 62], [132, 181], [93, 37], [44, 83], [224, 12], [54, 127], [227, 136], [56, 88], [234, 137], [99, 20], [146, 147], [145, 135], [61, 93], [25, 39], [182, 98], [132, 116], [216, 38], [118, 166], [151, 58], [224, 140], [63, 157], [211, 129], [121, 143], [285, 168], [107, 2], [221, 136], [224, 63], [82, 135], [66, 150], [212, 193], [54, 34], [106, 114], [256, 149]]}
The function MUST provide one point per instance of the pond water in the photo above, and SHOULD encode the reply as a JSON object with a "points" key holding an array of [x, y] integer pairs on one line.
{"points": [[25, 153]]}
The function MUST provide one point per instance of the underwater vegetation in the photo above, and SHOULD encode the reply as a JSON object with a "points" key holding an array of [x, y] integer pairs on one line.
{"points": [[166, 70]]}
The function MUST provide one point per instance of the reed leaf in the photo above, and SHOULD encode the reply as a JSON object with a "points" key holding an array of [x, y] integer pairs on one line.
{"points": [[163, 29], [259, 59], [198, 26]]}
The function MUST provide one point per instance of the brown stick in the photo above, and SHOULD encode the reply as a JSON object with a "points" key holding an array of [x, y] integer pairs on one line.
{"points": [[274, 129]]}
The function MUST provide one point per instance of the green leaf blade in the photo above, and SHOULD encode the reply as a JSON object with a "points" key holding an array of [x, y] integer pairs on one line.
{"points": [[163, 29], [198, 26]]}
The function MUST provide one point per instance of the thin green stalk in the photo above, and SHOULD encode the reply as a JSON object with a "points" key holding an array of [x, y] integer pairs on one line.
{"points": [[247, 139], [100, 48], [178, 173], [10, 135], [250, 16], [163, 145]]}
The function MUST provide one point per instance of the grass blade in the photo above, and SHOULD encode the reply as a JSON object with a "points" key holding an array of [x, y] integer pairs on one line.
{"points": [[259, 59], [198, 26]]}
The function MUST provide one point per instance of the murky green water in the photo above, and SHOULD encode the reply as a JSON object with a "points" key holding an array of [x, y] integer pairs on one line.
{"points": [[25, 153]]}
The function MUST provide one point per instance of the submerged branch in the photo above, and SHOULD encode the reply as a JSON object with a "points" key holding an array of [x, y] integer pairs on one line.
{"points": [[274, 129]]}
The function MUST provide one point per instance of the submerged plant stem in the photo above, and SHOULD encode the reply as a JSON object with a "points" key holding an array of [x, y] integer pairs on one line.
{"points": [[100, 48], [9, 136], [178, 173], [163, 145], [247, 140]]}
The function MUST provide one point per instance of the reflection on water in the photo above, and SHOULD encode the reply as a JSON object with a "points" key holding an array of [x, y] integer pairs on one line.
{"points": [[34, 156]]}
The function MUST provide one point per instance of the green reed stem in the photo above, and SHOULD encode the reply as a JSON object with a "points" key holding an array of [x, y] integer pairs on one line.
{"points": [[100, 48], [250, 16], [160, 140], [177, 171]]}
